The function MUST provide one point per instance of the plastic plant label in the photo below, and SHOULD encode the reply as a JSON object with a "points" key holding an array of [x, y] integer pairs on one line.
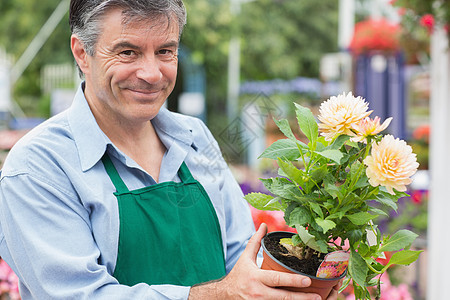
{"points": [[334, 264]]}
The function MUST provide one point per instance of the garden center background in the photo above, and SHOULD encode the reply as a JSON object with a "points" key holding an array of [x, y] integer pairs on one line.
{"points": [[237, 71]]}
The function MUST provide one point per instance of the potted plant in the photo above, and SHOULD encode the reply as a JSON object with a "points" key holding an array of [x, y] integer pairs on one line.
{"points": [[332, 188]]}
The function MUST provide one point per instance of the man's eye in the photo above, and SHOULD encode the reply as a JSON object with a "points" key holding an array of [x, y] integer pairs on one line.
{"points": [[165, 52], [127, 53]]}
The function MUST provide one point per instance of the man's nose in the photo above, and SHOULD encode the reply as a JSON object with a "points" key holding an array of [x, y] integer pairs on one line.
{"points": [[150, 69]]}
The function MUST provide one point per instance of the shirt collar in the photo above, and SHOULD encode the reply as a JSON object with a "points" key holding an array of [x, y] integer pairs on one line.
{"points": [[167, 125], [91, 142]]}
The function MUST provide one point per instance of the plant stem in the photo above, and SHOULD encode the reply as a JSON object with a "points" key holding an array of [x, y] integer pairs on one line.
{"points": [[360, 169], [374, 270], [301, 154]]}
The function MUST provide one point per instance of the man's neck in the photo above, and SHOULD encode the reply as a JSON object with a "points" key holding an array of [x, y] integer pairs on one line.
{"points": [[143, 145]]}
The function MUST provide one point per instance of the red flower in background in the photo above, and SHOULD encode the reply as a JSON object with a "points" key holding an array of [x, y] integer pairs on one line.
{"points": [[416, 197], [427, 21], [422, 133], [375, 35], [273, 219]]}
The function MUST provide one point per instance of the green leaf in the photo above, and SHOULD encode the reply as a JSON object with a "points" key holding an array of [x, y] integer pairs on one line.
{"points": [[299, 216], [334, 155], [404, 257], [378, 211], [307, 123], [330, 187], [291, 171], [263, 202], [386, 201], [285, 128], [319, 174], [322, 144], [353, 144], [309, 240], [357, 268], [354, 236], [401, 239], [296, 240], [339, 142], [284, 148], [316, 208], [363, 249], [282, 187], [362, 182], [355, 169], [361, 218], [325, 224]]}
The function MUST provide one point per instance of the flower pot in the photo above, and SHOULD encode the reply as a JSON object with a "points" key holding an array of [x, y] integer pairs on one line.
{"points": [[321, 286]]}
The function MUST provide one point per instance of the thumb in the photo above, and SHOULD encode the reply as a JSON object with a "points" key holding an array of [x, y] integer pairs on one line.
{"points": [[252, 249]]}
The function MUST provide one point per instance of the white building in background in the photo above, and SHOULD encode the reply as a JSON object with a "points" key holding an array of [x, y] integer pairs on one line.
{"points": [[60, 81]]}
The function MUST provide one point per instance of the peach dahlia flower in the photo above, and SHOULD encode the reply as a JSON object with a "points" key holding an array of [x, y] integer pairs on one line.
{"points": [[391, 164], [339, 114], [369, 127]]}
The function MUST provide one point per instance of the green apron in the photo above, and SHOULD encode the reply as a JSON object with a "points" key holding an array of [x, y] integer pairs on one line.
{"points": [[169, 232]]}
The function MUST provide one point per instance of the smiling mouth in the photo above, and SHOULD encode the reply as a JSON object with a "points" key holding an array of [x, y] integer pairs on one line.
{"points": [[144, 92]]}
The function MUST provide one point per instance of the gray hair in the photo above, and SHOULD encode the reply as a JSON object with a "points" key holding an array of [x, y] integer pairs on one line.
{"points": [[85, 16]]}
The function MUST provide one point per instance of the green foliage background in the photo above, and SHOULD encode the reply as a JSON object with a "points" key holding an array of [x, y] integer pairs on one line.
{"points": [[280, 39]]}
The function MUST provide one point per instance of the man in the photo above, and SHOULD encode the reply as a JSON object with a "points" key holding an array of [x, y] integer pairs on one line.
{"points": [[110, 199]]}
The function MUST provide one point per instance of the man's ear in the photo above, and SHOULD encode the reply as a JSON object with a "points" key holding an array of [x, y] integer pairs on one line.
{"points": [[79, 53]]}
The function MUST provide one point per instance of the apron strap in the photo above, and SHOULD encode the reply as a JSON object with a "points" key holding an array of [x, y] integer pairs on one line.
{"points": [[113, 174], [184, 174]]}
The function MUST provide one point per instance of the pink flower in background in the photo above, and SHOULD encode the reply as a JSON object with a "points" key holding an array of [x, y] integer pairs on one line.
{"points": [[9, 283], [388, 291], [391, 292]]}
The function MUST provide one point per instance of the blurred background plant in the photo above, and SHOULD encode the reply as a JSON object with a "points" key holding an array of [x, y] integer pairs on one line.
{"points": [[427, 13], [420, 142], [375, 35], [9, 286]]}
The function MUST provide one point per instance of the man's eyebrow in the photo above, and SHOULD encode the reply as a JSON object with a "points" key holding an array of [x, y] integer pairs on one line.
{"points": [[170, 44], [128, 45], [124, 45]]}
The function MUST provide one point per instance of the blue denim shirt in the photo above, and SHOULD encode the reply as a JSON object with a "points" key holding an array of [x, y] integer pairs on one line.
{"points": [[59, 218]]}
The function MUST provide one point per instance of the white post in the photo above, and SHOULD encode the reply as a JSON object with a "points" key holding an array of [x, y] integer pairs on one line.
{"points": [[234, 64], [234, 74], [346, 28], [439, 203], [346, 23]]}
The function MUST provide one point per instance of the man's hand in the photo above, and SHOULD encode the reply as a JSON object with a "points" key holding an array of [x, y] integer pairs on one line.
{"points": [[247, 281]]}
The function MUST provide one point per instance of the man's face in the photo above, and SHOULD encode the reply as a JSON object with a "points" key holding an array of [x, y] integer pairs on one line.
{"points": [[133, 70]]}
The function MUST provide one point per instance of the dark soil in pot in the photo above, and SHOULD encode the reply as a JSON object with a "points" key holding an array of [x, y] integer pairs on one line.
{"points": [[306, 266]]}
